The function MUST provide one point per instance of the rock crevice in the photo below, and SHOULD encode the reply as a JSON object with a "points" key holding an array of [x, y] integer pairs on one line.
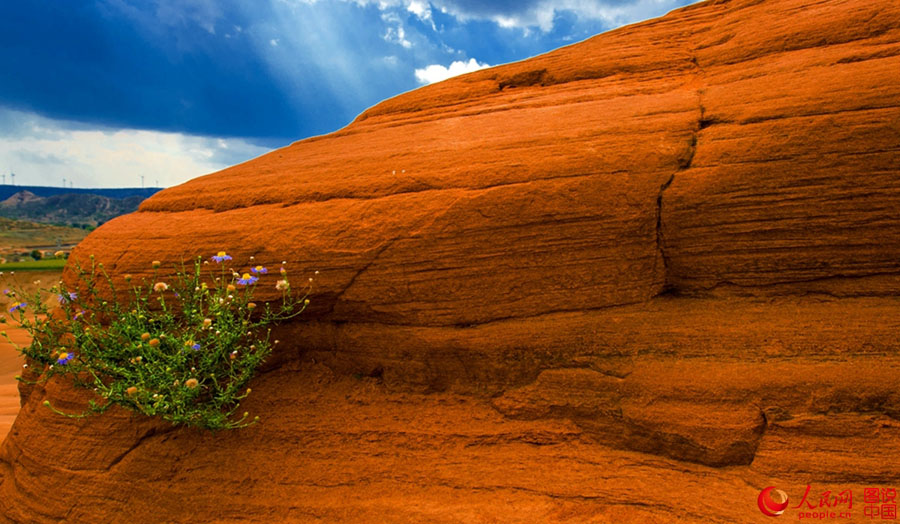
{"points": [[665, 256]]}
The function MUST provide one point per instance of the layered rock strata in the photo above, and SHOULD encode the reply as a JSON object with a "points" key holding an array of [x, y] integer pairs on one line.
{"points": [[636, 279]]}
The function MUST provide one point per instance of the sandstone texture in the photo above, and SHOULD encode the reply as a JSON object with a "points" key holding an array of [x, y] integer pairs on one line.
{"points": [[636, 279]]}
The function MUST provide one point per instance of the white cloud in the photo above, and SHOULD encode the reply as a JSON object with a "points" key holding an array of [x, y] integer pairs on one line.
{"points": [[273, 42], [542, 13], [420, 9], [204, 13], [528, 13], [436, 72], [42, 151], [395, 34]]}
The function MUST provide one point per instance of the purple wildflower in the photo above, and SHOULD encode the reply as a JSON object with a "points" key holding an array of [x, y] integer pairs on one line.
{"points": [[221, 257], [65, 358], [18, 306], [196, 347], [259, 270], [68, 297], [246, 279]]}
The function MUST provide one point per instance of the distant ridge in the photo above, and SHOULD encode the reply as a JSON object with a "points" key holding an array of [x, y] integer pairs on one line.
{"points": [[7, 190], [584, 287], [84, 208]]}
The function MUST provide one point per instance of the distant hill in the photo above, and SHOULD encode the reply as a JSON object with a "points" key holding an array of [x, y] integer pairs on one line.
{"points": [[85, 210], [20, 236], [7, 191]]}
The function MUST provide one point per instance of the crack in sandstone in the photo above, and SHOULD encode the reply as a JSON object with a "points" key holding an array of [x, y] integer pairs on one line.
{"points": [[660, 240], [115, 263], [379, 251], [147, 434], [384, 247], [828, 278], [684, 163]]}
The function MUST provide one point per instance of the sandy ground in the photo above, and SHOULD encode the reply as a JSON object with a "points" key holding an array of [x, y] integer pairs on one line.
{"points": [[10, 360], [10, 366]]}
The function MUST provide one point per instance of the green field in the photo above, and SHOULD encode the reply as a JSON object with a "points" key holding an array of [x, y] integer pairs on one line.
{"points": [[35, 265]]}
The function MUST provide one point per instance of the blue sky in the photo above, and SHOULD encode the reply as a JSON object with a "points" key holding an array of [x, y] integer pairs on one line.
{"points": [[100, 92]]}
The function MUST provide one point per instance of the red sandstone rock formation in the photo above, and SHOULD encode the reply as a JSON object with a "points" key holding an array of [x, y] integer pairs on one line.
{"points": [[637, 279]]}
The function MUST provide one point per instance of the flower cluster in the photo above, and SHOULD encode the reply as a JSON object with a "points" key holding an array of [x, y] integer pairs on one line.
{"points": [[182, 347]]}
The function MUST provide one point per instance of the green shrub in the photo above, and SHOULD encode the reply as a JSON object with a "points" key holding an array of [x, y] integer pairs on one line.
{"points": [[181, 348]]}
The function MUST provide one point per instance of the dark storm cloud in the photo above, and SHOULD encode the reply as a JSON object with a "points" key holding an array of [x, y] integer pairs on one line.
{"points": [[145, 65], [268, 71]]}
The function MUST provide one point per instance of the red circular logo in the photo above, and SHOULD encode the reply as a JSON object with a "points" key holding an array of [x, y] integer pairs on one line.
{"points": [[772, 502]]}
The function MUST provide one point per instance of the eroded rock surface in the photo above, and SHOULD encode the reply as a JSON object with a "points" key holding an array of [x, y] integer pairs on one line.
{"points": [[636, 279]]}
